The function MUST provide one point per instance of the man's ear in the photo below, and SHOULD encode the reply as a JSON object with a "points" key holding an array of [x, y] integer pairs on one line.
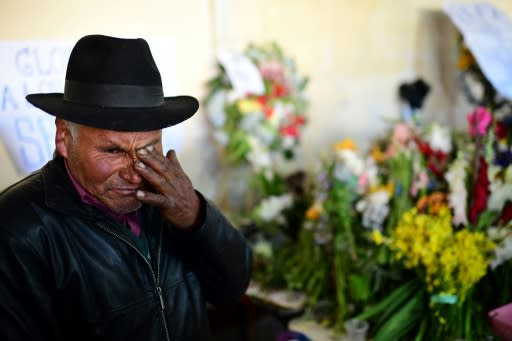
{"points": [[62, 137]]}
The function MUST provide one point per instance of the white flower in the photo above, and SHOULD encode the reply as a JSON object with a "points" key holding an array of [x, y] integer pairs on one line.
{"points": [[500, 191], [502, 253], [372, 171], [456, 178], [258, 156], [270, 209], [263, 248], [439, 138], [369, 176], [375, 209], [497, 234], [351, 160], [500, 194]]}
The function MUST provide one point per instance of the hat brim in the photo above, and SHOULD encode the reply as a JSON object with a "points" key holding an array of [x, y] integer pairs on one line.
{"points": [[174, 110]]}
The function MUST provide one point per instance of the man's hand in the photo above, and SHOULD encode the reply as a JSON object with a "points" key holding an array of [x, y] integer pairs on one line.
{"points": [[174, 193]]}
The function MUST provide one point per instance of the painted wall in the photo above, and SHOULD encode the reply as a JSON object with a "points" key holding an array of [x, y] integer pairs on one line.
{"points": [[356, 53]]}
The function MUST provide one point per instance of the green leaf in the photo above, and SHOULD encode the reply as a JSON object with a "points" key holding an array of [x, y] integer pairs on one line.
{"points": [[486, 219], [359, 286], [400, 323], [394, 300]]}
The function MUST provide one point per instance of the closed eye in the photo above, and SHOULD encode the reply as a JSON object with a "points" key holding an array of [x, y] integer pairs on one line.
{"points": [[114, 150]]}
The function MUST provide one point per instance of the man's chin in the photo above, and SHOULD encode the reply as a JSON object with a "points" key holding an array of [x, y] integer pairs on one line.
{"points": [[126, 208]]}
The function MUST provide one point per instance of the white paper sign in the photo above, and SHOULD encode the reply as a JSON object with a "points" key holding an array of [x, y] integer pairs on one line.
{"points": [[40, 67], [242, 73], [487, 31]]}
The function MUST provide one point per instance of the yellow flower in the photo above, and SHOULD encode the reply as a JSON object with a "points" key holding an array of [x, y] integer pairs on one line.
{"points": [[450, 262], [346, 144], [377, 237], [248, 105], [389, 188], [377, 154]]}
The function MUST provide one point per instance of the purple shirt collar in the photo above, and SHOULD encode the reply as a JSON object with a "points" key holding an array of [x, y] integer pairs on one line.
{"points": [[130, 219]]}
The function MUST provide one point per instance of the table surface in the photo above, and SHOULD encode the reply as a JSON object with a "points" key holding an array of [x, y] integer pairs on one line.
{"points": [[314, 330], [294, 300]]}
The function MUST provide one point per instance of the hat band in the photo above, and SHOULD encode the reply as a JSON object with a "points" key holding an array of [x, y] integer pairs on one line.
{"points": [[113, 95]]}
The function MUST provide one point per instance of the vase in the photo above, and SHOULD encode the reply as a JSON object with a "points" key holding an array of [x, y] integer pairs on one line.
{"points": [[356, 329]]}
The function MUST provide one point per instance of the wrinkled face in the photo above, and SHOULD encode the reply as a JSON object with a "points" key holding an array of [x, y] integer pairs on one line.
{"points": [[103, 161]]}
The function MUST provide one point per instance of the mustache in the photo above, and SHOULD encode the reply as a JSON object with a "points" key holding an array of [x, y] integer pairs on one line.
{"points": [[125, 185]]}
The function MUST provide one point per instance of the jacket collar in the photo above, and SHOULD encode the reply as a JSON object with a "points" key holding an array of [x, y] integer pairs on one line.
{"points": [[59, 193]]}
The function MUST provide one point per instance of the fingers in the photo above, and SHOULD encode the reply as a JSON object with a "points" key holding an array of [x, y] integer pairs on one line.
{"points": [[153, 158], [152, 199], [172, 191], [163, 174], [171, 156], [156, 180]]}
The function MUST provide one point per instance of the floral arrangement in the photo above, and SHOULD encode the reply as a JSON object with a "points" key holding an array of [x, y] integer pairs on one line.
{"points": [[326, 257], [257, 128], [414, 236], [451, 229], [417, 217], [448, 265]]}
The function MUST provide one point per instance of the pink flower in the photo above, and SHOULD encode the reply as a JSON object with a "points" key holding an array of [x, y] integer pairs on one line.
{"points": [[479, 121], [401, 134], [363, 182]]}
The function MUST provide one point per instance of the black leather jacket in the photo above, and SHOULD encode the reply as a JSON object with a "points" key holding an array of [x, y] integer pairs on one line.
{"points": [[69, 272]]}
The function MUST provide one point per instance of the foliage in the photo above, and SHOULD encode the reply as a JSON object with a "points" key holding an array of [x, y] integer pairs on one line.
{"points": [[258, 127], [414, 236]]}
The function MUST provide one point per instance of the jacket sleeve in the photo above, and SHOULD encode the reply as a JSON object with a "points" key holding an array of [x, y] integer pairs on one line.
{"points": [[25, 295], [220, 255]]}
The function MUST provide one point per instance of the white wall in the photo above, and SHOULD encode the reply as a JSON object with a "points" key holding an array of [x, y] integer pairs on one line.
{"points": [[356, 53]]}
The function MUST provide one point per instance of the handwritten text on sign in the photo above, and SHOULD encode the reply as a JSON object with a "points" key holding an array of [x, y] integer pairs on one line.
{"points": [[29, 67], [40, 67]]}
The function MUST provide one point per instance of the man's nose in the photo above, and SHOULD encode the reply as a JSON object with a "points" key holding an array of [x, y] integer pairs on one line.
{"points": [[129, 173]]}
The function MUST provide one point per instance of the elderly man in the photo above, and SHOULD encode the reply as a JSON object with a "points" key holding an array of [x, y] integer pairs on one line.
{"points": [[109, 240]]}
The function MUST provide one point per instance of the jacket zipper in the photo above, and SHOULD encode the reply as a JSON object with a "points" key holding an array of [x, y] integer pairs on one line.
{"points": [[156, 278]]}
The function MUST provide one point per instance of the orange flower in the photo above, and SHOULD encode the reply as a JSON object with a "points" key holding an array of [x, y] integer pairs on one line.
{"points": [[314, 212], [432, 203]]}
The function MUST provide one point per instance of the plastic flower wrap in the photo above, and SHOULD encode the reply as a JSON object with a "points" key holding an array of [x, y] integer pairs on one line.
{"points": [[259, 127]]}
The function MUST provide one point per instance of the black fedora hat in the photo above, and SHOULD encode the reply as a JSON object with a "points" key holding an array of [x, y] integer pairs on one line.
{"points": [[113, 83]]}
